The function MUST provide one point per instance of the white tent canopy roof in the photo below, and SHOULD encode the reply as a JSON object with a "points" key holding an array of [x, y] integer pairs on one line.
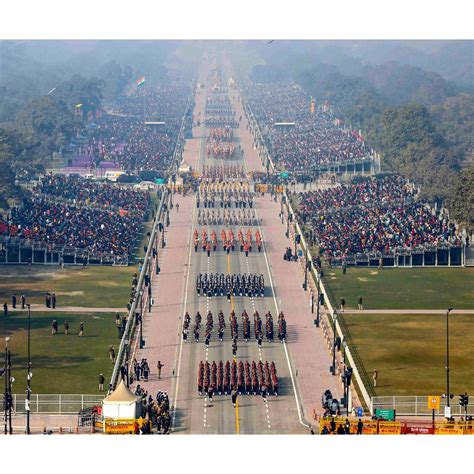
{"points": [[122, 395]]}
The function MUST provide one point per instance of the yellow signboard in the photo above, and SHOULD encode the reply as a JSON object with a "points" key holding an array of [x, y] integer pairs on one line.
{"points": [[433, 402], [453, 430], [390, 427], [126, 426]]}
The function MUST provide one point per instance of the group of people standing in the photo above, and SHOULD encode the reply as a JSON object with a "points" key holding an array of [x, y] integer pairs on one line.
{"points": [[156, 412]]}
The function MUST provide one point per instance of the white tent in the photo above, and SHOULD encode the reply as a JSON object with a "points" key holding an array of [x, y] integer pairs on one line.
{"points": [[121, 404]]}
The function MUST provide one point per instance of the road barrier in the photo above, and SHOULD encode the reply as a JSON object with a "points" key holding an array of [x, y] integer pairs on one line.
{"points": [[54, 403], [382, 427], [417, 406]]}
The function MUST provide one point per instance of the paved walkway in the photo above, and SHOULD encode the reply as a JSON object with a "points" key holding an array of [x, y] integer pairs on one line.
{"points": [[406, 311], [162, 326], [85, 309], [308, 348], [66, 309]]}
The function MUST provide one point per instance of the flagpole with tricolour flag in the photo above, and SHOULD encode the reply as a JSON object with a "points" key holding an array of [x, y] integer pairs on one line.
{"points": [[141, 84]]}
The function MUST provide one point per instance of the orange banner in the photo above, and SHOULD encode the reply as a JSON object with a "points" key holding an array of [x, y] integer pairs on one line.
{"points": [[390, 428]]}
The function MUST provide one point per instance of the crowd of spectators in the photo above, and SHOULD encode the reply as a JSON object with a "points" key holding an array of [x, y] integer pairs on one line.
{"points": [[81, 191], [70, 211], [77, 213], [308, 140], [123, 138], [373, 216]]}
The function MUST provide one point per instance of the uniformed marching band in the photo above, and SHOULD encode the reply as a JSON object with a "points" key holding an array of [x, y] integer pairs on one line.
{"points": [[228, 241], [221, 173], [225, 216], [234, 327], [245, 378], [219, 284]]}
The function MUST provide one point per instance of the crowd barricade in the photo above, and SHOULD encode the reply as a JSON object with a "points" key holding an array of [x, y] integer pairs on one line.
{"points": [[456, 427], [122, 426], [383, 427], [389, 427], [448, 430], [417, 428], [369, 428]]}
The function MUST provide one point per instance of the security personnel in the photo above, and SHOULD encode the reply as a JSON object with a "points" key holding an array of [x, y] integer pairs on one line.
{"points": [[234, 396]]}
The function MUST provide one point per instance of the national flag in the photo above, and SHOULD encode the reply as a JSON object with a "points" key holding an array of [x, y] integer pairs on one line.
{"points": [[140, 81]]}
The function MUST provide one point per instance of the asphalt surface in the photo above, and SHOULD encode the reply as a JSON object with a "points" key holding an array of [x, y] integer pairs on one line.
{"points": [[194, 413]]}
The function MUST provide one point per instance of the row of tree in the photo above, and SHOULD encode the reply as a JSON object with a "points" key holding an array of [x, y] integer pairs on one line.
{"points": [[43, 126], [420, 123], [40, 89]]}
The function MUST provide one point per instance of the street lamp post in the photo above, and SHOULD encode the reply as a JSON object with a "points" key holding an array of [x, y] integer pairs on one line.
{"points": [[157, 265], [141, 319], [346, 386], [10, 381], [447, 355], [333, 368], [149, 297], [6, 394], [305, 286], [29, 374], [318, 308]]}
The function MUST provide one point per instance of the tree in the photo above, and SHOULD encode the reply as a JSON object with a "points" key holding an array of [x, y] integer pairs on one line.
{"points": [[460, 199], [47, 126], [12, 161], [81, 90]]}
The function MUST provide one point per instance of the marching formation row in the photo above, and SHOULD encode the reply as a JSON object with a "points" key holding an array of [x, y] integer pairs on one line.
{"points": [[234, 327], [219, 173], [227, 217], [215, 284], [227, 240], [254, 378]]}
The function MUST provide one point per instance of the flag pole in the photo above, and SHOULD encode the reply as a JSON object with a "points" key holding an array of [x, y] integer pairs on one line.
{"points": [[144, 102]]}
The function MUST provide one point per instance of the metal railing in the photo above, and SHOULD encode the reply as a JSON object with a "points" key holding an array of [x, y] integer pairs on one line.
{"points": [[53, 403], [352, 362], [417, 406], [140, 293], [128, 334]]}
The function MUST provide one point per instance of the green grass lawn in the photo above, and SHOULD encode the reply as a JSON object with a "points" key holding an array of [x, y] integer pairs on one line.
{"points": [[408, 352], [402, 288], [91, 286], [60, 363]]}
